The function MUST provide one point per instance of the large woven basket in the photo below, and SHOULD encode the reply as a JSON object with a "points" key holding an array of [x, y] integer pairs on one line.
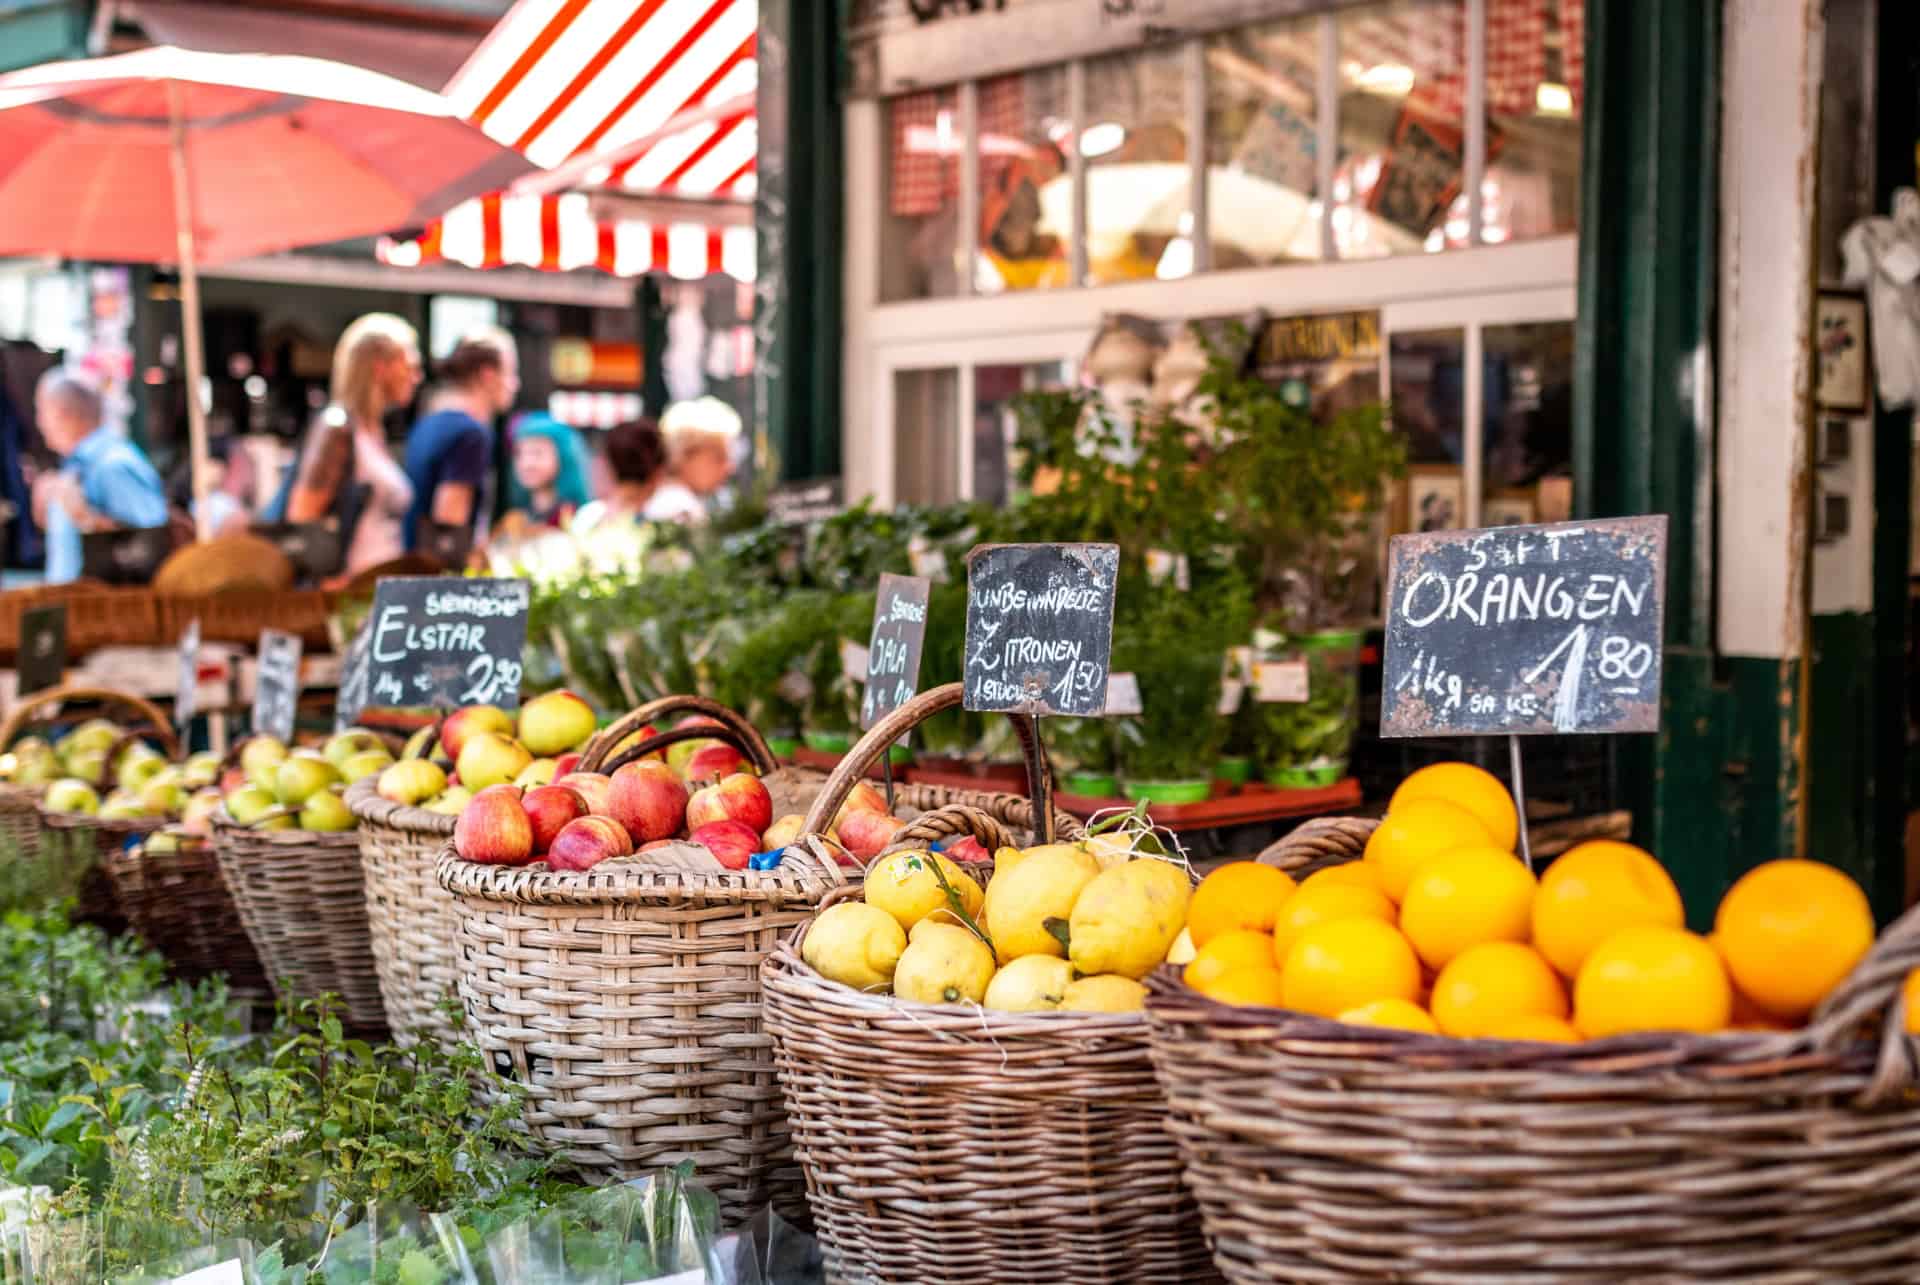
{"points": [[1326, 1152], [303, 901], [177, 902], [410, 920], [955, 1144]]}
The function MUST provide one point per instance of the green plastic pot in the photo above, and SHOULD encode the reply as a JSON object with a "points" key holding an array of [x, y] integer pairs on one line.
{"points": [[1091, 785], [1306, 778], [1330, 640], [1169, 791], [830, 742], [1235, 769], [898, 755], [783, 746]]}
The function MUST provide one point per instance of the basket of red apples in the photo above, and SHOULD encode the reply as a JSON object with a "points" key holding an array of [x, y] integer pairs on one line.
{"points": [[407, 812]]}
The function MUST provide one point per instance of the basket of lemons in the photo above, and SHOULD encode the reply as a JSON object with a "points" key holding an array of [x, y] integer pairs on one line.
{"points": [[964, 1058], [1397, 1054]]}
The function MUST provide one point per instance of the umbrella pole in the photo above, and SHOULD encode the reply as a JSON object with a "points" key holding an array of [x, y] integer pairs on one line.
{"points": [[190, 317]]}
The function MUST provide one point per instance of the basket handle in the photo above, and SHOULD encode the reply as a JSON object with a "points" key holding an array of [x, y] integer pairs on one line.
{"points": [[746, 738], [23, 713], [698, 732], [881, 736], [953, 821], [1870, 993]]}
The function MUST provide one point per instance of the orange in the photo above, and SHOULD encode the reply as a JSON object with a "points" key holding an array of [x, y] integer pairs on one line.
{"points": [[1910, 992], [1473, 788], [1354, 874], [1791, 931], [1652, 979], [1593, 891], [1421, 830], [1235, 948], [1248, 984], [1466, 897], [1395, 1014], [1323, 902], [1493, 983], [1746, 1015], [1538, 1030], [1344, 963], [1241, 894]]}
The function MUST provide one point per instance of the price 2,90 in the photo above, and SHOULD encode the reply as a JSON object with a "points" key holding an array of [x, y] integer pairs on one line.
{"points": [[489, 678]]}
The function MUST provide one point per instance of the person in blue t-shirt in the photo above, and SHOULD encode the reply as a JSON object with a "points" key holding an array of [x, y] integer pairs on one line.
{"points": [[104, 481], [450, 450]]}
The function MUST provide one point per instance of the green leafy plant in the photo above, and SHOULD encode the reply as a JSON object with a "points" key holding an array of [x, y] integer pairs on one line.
{"points": [[1172, 643]]}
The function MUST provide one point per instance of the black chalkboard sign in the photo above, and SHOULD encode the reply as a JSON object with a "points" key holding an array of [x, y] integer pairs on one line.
{"points": [[276, 685], [354, 677], [314, 548], [444, 641], [796, 502], [43, 647], [130, 555], [1040, 627], [447, 543], [893, 653], [186, 692], [1525, 629]]}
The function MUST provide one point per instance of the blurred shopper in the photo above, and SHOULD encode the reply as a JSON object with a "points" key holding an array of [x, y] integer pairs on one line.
{"points": [[637, 456], [104, 481], [346, 470], [450, 451], [701, 436], [549, 482], [228, 488]]}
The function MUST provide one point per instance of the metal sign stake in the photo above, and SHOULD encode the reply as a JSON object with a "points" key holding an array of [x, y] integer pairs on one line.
{"points": [[886, 773], [1520, 800]]}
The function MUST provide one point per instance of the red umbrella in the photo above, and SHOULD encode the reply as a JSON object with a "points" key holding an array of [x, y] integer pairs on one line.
{"points": [[172, 156]]}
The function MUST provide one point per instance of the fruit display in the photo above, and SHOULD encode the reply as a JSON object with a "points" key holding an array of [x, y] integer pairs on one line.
{"points": [[1441, 929], [1058, 927], [95, 769], [274, 787]]}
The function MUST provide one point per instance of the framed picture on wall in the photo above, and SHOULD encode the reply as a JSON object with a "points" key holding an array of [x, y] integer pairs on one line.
{"points": [[1436, 499], [1509, 508], [1841, 380]]}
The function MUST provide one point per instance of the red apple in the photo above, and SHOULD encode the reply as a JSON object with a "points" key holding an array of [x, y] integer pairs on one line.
{"points": [[550, 808], [648, 799], [739, 797], [463, 723], [967, 849], [585, 842], [493, 829], [713, 760], [565, 764], [679, 754], [865, 834], [631, 739], [590, 786], [656, 845], [232, 779], [729, 841], [862, 798]]}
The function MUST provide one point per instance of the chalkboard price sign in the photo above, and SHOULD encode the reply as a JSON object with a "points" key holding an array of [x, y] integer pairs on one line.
{"points": [[1525, 629], [43, 647], [186, 692], [444, 641], [893, 653], [276, 685], [354, 678], [1040, 627]]}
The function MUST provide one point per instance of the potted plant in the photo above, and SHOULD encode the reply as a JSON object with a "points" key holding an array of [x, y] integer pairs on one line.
{"points": [[1082, 752], [1173, 642]]}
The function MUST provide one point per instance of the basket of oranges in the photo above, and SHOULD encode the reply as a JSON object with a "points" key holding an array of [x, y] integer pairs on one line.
{"points": [[1397, 1054]]}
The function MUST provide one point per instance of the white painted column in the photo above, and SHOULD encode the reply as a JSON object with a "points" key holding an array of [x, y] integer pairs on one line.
{"points": [[866, 446]]}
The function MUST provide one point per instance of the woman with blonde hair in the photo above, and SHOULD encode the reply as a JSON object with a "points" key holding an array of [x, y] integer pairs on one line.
{"points": [[346, 470]]}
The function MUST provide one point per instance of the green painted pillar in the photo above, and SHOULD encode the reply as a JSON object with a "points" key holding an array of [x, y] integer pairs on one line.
{"points": [[37, 31], [797, 321]]}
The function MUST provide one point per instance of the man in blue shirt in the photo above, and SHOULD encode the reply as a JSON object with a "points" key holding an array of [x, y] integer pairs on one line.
{"points": [[104, 480], [450, 451]]}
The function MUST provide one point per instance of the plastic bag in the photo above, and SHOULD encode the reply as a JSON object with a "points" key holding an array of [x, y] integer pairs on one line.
{"points": [[657, 1228]]}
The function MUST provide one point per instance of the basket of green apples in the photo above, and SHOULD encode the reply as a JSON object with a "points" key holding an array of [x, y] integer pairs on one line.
{"points": [[284, 839]]}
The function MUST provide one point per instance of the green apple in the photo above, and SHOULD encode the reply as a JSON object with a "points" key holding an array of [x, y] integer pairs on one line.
{"points": [[200, 771], [72, 795], [161, 842], [366, 764], [137, 770], [163, 798], [344, 745], [94, 734], [411, 781], [488, 758], [468, 722], [261, 753], [123, 805], [326, 811], [555, 722], [452, 802], [252, 806], [87, 765], [538, 772], [302, 776]]}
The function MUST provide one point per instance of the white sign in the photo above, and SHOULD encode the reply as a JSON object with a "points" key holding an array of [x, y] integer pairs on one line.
{"points": [[1281, 682]]}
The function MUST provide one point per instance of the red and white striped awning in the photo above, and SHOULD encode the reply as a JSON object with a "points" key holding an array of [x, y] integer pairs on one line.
{"points": [[650, 97]]}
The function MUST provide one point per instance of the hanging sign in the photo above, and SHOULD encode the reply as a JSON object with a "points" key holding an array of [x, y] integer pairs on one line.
{"points": [[276, 685], [444, 641], [43, 648], [186, 692], [893, 651], [1040, 627], [354, 678], [1525, 629]]}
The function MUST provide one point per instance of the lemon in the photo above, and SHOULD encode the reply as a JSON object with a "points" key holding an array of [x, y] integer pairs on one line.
{"points": [[1042, 887], [1322, 902], [1182, 950], [1490, 984], [1473, 788], [1593, 891], [1109, 849], [1344, 963], [905, 886], [1105, 993], [1394, 1014], [1791, 931], [1004, 862], [1126, 919], [1465, 897], [943, 965], [1030, 984], [855, 944], [1419, 831], [1652, 979]]}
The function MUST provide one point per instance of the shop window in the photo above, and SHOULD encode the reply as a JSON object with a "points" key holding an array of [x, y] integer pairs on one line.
{"points": [[1535, 88], [1263, 198], [1026, 194], [921, 231], [926, 407], [1134, 139], [995, 429], [1402, 154], [1426, 370], [1526, 465]]}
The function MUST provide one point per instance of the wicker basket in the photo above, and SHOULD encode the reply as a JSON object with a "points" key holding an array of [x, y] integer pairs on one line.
{"points": [[950, 1144], [97, 616], [1325, 1152], [303, 901], [179, 905], [409, 917]]}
